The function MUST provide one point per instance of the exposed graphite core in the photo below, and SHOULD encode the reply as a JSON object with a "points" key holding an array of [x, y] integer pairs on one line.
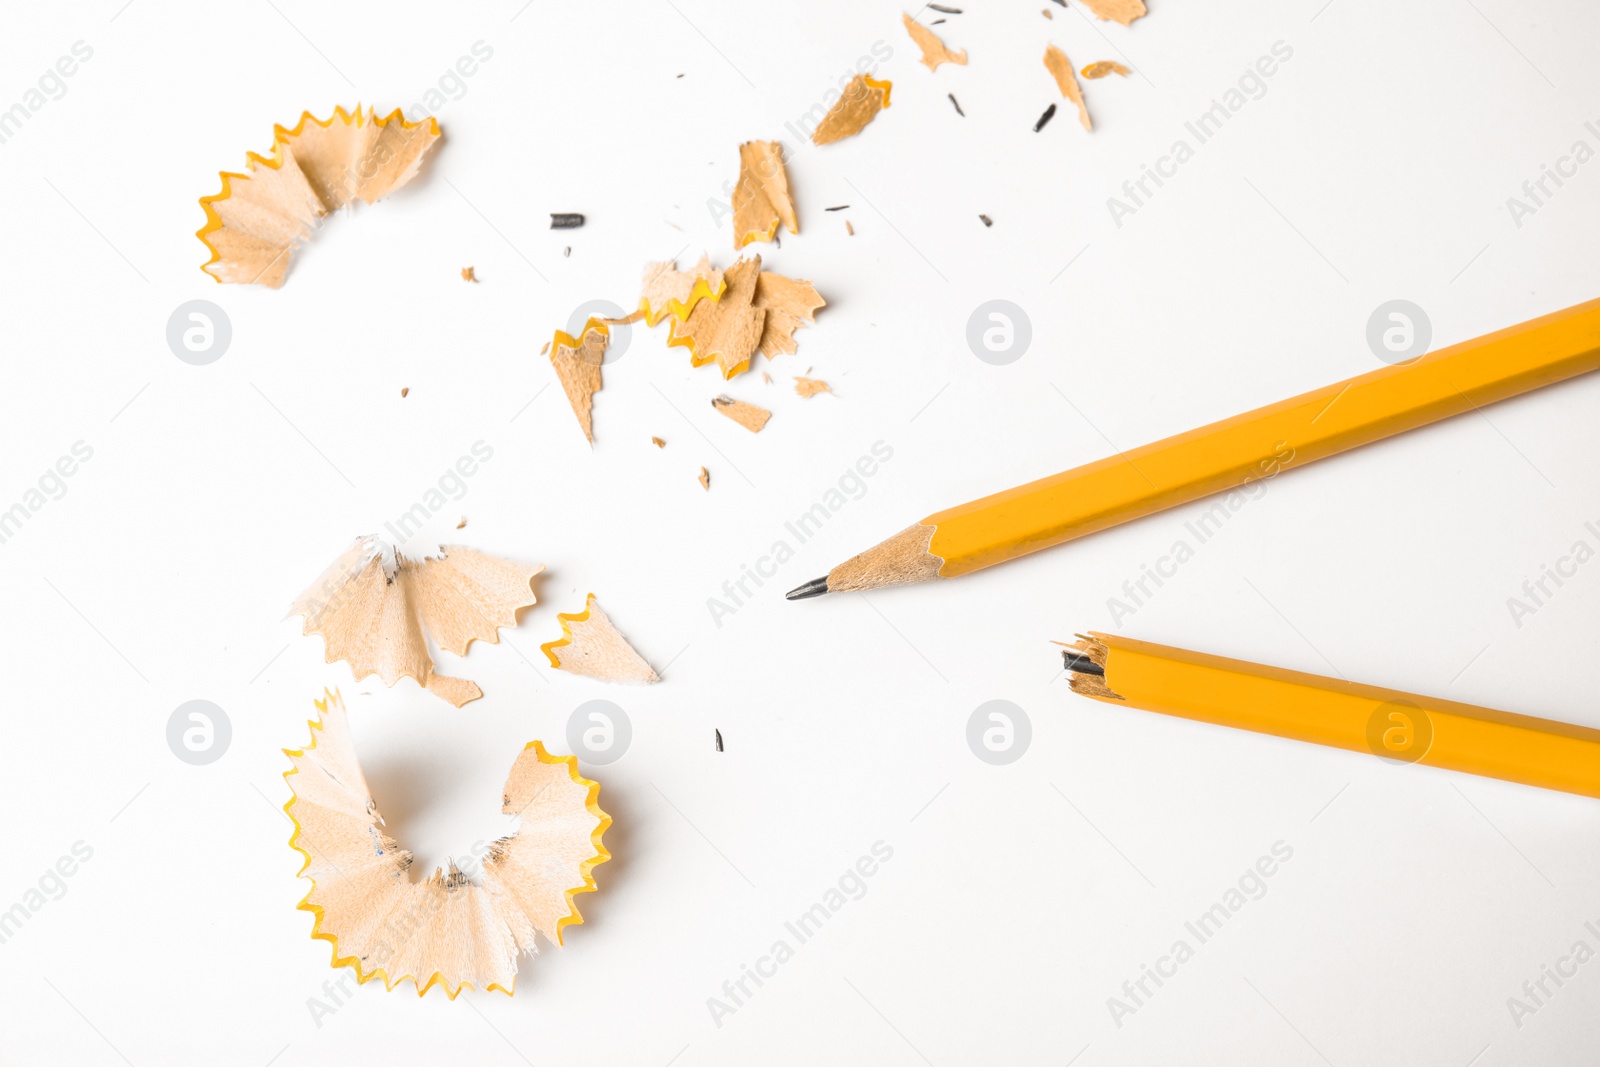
{"points": [[1081, 664], [815, 587]]}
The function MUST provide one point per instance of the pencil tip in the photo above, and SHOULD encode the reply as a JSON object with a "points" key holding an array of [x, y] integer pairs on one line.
{"points": [[815, 587]]}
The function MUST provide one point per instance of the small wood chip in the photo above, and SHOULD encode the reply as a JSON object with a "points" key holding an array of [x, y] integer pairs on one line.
{"points": [[1123, 11], [1049, 113], [405, 391], [766, 377], [658, 442], [565, 220], [749, 416], [849, 229], [1060, 68], [1103, 67], [957, 104], [934, 51], [987, 221], [860, 103], [705, 479], [1046, 13], [462, 524], [809, 387], [468, 275]]}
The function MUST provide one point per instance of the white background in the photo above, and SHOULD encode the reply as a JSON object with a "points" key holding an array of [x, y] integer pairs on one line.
{"points": [[1018, 900]]}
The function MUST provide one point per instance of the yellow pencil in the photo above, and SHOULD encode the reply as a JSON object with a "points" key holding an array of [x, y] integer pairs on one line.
{"points": [[1228, 454], [1327, 711]]}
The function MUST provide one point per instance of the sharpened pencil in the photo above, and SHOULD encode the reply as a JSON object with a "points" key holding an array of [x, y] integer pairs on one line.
{"points": [[1229, 454]]}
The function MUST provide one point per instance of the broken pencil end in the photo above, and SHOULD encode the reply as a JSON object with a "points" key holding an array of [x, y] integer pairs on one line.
{"points": [[1078, 663], [815, 587]]}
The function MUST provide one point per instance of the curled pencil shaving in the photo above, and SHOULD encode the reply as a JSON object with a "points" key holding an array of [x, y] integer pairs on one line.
{"points": [[862, 99], [757, 312], [258, 219], [379, 620], [668, 290], [1101, 68], [591, 646], [761, 200], [445, 930]]}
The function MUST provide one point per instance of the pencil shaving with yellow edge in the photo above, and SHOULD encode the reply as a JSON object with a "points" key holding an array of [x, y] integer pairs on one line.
{"points": [[591, 646], [259, 218], [1391, 723], [446, 930]]}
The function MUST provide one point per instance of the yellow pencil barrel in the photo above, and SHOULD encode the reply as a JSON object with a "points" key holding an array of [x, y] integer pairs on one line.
{"points": [[1259, 444], [1328, 711]]}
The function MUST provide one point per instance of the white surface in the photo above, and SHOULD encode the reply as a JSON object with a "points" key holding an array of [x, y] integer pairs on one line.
{"points": [[1019, 898]]}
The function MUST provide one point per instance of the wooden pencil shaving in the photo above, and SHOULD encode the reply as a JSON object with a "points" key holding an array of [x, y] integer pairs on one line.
{"points": [[749, 416], [757, 312], [658, 442], [809, 387], [668, 290], [258, 219], [860, 103], [591, 646], [761, 199], [934, 51], [577, 366], [1060, 68], [379, 618], [1104, 67], [468, 274], [1123, 11], [445, 930], [705, 479]]}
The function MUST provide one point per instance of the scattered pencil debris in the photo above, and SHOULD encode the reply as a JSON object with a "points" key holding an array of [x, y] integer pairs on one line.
{"points": [[944, 10], [986, 220], [457, 932], [766, 377], [749, 416], [405, 391], [809, 387], [937, 22], [849, 230], [836, 207], [259, 218], [863, 98], [719, 740], [1103, 67], [705, 479], [565, 220], [1123, 11], [1046, 13], [591, 646], [957, 104], [566, 253], [658, 442], [1049, 113], [462, 524], [761, 199], [934, 51], [468, 274], [376, 610], [577, 365], [1060, 68]]}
